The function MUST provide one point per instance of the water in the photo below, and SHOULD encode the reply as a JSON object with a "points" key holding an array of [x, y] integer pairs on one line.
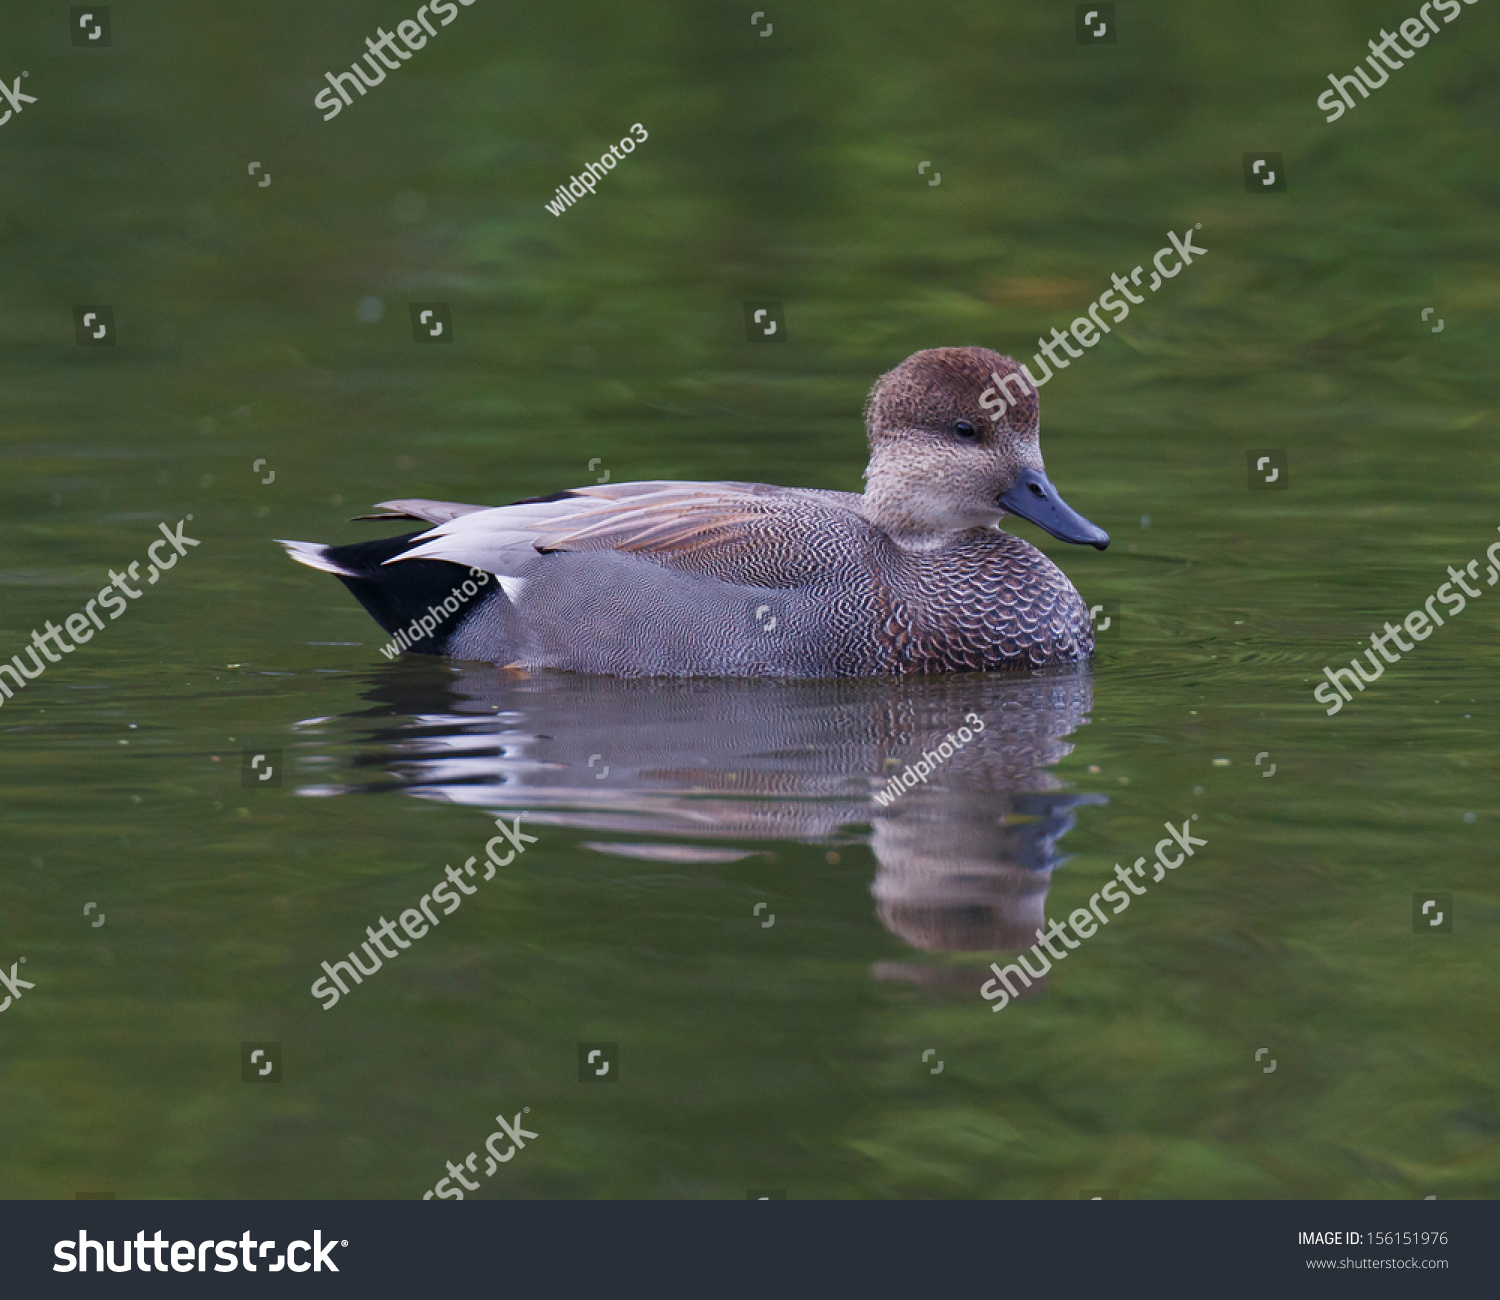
{"points": [[797, 1054]]}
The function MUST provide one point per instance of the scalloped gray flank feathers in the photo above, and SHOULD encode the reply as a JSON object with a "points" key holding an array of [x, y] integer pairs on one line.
{"points": [[745, 579]]}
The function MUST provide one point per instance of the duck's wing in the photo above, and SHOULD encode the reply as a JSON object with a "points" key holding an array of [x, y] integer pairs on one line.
{"points": [[740, 531], [430, 512]]}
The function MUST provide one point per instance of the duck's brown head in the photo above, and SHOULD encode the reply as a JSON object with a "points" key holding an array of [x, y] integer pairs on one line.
{"points": [[954, 445]]}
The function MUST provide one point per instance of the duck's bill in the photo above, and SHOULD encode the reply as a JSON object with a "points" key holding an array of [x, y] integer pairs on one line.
{"points": [[1033, 497]]}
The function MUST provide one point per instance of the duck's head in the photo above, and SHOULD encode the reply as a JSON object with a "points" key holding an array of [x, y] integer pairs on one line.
{"points": [[939, 462]]}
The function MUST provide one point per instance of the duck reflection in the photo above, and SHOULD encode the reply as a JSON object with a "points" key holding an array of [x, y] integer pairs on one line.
{"points": [[691, 770]]}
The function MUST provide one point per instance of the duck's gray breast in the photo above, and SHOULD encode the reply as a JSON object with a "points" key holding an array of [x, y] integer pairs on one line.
{"points": [[991, 600]]}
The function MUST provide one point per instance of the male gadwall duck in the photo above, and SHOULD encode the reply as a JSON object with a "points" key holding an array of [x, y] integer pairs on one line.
{"points": [[743, 579]]}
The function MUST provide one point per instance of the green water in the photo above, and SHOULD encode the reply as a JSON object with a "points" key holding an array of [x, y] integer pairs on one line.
{"points": [[611, 339]]}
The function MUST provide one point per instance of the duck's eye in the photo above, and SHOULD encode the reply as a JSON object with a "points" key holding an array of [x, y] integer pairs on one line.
{"points": [[965, 428]]}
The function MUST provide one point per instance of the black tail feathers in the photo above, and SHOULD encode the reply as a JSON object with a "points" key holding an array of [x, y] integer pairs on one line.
{"points": [[419, 602]]}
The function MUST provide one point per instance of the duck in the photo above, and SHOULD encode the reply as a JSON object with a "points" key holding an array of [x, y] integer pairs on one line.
{"points": [[727, 579]]}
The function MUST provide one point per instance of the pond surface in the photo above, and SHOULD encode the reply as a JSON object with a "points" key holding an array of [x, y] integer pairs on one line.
{"points": [[788, 969]]}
